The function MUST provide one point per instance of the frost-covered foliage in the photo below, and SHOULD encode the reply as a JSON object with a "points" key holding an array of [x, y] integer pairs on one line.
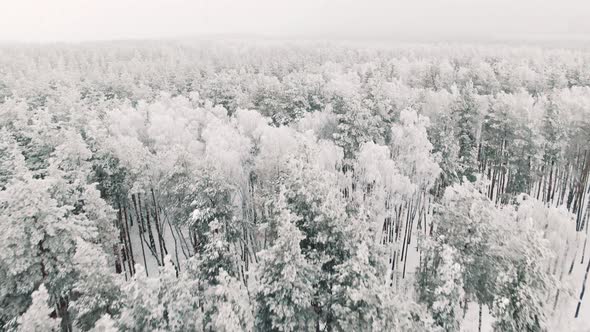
{"points": [[411, 150], [286, 279], [361, 298], [97, 291], [503, 258], [227, 306], [449, 292], [164, 302], [37, 317], [204, 186], [105, 324]]}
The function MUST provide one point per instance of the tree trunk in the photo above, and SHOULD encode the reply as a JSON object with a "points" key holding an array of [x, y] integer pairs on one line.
{"points": [[175, 248], [159, 230], [149, 230], [139, 224], [548, 195], [479, 317], [64, 314], [491, 195], [131, 261], [583, 289]]}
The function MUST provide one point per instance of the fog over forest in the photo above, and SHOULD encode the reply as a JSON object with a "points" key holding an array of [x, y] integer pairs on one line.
{"points": [[418, 20]]}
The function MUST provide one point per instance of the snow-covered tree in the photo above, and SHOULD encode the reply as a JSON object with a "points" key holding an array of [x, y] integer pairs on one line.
{"points": [[12, 162], [441, 285], [412, 151], [97, 291], [359, 294], [37, 317], [466, 113], [37, 246], [227, 306], [286, 279], [518, 305], [144, 311], [503, 260], [162, 302], [105, 324]]}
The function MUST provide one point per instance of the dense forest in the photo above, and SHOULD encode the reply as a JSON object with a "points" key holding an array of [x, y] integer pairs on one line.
{"points": [[293, 186]]}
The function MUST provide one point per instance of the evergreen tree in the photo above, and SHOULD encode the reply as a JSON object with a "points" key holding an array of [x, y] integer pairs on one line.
{"points": [[321, 217], [440, 285], [12, 162], [227, 306], [97, 291], [518, 306], [164, 302], [359, 294], [105, 324], [287, 280], [37, 317], [466, 113]]}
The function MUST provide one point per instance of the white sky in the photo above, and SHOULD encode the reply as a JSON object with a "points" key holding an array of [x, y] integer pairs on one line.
{"points": [[77, 20]]}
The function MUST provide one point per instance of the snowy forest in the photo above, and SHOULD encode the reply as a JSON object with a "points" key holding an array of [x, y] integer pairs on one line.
{"points": [[293, 186]]}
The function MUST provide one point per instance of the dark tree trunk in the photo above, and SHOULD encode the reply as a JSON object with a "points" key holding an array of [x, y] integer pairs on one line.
{"points": [[64, 314], [149, 231], [131, 262], [159, 229], [479, 317], [139, 224], [583, 289]]}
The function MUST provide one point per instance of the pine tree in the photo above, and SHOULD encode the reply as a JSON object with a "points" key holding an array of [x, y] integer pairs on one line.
{"points": [[440, 285], [312, 196], [466, 114], [356, 123], [359, 294], [518, 304], [448, 294], [37, 317], [105, 324], [223, 293], [286, 280], [227, 306], [164, 302], [97, 291], [12, 162], [37, 246]]}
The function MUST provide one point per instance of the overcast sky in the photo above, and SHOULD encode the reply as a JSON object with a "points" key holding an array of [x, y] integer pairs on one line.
{"points": [[80, 20]]}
